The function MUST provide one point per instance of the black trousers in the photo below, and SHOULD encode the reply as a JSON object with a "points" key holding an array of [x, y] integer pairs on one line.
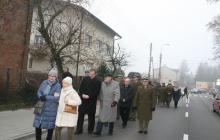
{"points": [[38, 134], [176, 104], [100, 126], [124, 113], [91, 122]]}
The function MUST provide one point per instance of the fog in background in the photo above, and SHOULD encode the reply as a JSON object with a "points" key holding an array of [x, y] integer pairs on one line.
{"points": [[180, 23]]}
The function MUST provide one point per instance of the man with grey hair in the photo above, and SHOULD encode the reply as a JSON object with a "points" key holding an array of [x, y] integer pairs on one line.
{"points": [[125, 102], [109, 97]]}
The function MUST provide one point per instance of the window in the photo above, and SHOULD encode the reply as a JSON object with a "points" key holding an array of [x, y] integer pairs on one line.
{"points": [[88, 40], [39, 40], [30, 64], [99, 45], [108, 49]]}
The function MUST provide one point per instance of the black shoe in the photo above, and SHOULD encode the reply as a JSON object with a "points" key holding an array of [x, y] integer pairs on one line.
{"points": [[78, 133], [140, 131], [97, 134], [110, 133], [90, 132], [124, 125], [145, 132]]}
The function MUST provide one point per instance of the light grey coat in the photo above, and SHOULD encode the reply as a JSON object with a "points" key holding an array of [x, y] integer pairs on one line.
{"points": [[108, 94]]}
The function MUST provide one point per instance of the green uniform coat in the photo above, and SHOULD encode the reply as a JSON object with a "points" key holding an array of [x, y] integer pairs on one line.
{"points": [[145, 101], [162, 94]]}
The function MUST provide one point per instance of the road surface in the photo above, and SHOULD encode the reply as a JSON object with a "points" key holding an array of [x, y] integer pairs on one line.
{"points": [[193, 120]]}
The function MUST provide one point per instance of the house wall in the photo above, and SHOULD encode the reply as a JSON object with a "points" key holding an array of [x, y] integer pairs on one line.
{"points": [[89, 27], [167, 75], [15, 23]]}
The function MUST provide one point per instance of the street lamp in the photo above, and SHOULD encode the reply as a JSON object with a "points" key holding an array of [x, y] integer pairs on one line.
{"points": [[160, 63]]}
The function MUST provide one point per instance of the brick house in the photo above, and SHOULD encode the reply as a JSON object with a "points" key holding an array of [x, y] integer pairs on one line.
{"points": [[15, 25]]}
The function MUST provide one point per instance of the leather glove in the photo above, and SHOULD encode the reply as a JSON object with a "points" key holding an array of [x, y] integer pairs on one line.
{"points": [[153, 109], [114, 104], [43, 98]]}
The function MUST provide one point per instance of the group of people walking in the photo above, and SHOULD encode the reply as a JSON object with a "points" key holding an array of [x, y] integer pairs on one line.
{"points": [[169, 92], [128, 98]]}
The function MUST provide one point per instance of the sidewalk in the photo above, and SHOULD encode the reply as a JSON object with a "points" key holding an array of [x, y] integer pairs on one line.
{"points": [[14, 124], [17, 125]]}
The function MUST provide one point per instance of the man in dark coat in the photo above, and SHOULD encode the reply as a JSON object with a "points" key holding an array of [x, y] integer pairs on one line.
{"points": [[176, 96], [168, 95], [67, 74], [89, 91], [125, 102], [186, 92]]}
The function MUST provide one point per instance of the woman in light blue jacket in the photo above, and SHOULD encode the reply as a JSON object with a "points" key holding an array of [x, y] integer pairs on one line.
{"points": [[48, 92]]}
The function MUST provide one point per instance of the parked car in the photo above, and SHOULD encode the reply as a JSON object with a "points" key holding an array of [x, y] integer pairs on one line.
{"points": [[194, 90], [198, 91], [216, 104]]}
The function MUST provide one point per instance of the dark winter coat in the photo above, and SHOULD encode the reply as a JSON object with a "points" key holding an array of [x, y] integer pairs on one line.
{"points": [[46, 120], [127, 95], [67, 74], [90, 87], [176, 94]]}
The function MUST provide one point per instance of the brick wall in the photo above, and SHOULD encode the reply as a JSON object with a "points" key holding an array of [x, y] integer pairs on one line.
{"points": [[15, 25]]}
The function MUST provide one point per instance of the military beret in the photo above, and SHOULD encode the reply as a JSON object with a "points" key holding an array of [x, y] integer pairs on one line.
{"points": [[108, 75], [145, 78]]}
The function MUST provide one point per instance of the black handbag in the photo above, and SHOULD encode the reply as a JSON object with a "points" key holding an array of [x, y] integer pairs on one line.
{"points": [[38, 108]]}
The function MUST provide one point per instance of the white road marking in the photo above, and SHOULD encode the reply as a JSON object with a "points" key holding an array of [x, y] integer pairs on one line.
{"points": [[187, 114], [187, 105], [187, 100], [185, 137]]}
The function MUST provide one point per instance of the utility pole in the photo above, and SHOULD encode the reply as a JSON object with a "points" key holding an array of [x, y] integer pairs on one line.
{"points": [[149, 72], [153, 66], [160, 63]]}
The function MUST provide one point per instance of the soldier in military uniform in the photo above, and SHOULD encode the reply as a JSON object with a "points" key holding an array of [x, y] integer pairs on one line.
{"points": [[162, 92], [168, 95], [145, 102]]}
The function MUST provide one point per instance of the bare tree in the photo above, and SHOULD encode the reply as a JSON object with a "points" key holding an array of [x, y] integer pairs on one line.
{"points": [[215, 27], [213, 0], [59, 23], [118, 58]]}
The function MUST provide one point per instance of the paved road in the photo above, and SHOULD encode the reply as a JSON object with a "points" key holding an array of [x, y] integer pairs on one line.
{"points": [[191, 121]]}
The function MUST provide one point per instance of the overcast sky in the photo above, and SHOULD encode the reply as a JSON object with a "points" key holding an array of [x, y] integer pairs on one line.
{"points": [[180, 23]]}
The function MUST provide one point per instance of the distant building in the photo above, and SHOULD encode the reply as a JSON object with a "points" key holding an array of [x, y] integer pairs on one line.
{"points": [[97, 37], [167, 75], [205, 85]]}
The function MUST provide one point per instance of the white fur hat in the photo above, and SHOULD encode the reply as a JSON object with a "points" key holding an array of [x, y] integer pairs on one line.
{"points": [[68, 80]]}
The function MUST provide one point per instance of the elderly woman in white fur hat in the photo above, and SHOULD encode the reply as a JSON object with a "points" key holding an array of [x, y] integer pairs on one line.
{"points": [[67, 114]]}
